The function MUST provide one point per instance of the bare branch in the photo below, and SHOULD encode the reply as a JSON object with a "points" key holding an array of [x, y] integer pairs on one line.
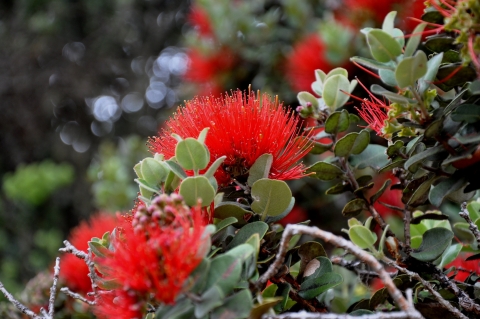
{"points": [[24, 309], [364, 256], [53, 290], [445, 304], [75, 295], [473, 228], [309, 315]]}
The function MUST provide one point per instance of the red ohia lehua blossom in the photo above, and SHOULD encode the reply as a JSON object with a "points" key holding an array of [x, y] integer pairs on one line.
{"points": [[307, 56], [373, 111], [199, 19], [118, 304], [464, 267], [152, 259], [243, 126], [74, 270]]}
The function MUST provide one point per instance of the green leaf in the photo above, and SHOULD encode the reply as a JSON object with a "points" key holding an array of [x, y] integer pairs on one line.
{"points": [[380, 192], [260, 309], [191, 154], [354, 207], [203, 135], [420, 195], [320, 148], [98, 249], [388, 21], [469, 113], [474, 210], [317, 267], [247, 231], [213, 168], [337, 122], [391, 166], [209, 300], [414, 40], [352, 143], [334, 90], [336, 71], [183, 309], [388, 77], [153, 171], [362, 236], [465, 74], [313, 287], [177, 169], [392, 97], [236, 306], [325, 171], [225, 271], [198, 276], [305, 97], [339, 188], [369, 63], [273, 219], [449, 255], [194, 188], [434, 243], [411, 69], [432, 68], [383, 46], [225, 223], [270, 197], [308, 251], [233, 210], [260, 169], [424, 155], [373, 156], [444, 188]]}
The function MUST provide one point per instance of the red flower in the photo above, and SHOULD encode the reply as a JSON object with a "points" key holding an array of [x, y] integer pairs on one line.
{"points": [[208, 70], [74, 270], [157, 255], [199, 19], [242, 127], [361, 11], [390, 197], [297, 215], [118, 304], [464, 268], [414, 9], [307, 56], [373, 112]]}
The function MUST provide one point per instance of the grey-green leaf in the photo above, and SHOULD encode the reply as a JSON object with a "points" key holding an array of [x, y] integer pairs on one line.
{"points": [[325, 171], [411, 69], [383, 46], [434, 243]]}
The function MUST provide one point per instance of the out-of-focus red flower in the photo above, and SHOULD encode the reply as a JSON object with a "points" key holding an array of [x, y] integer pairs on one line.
{"points": [[412, 9], [208, 71], [242, 127], [464, 268], [307, 56], [297, 215], [390, 197], [118, 304], [156, 256], [199, 19], [74, 270]]}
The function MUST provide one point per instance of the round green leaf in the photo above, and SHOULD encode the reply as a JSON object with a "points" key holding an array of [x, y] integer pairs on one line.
{"points": [[225, 271], [191, 154], [354, 207], [270, 197], [313, 287], [198, 187], [352, 143], [434, 243], [306, 97], [334, 91], [325, 171], [383, 46], [411, 69], [153, 171], [337, 122], [232, 209], [260, 169], [247, 231], [362, 236]]}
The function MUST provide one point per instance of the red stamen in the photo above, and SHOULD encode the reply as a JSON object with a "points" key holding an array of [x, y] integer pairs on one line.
{"points": [[366, 70]]}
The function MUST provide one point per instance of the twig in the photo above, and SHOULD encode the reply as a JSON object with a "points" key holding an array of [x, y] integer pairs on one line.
{"points": [[445, 304], [24, 309], [75, 295], [473, 228], [309, 315], [53, 289], [406, 230], [365, 257]]}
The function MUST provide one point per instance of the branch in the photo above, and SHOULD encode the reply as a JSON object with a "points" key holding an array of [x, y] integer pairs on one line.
{"points": [[445, 304], [24, 309], [473, 228], [75, 295], [309, 315], [328, 237], [53, 289], [406, 231]]}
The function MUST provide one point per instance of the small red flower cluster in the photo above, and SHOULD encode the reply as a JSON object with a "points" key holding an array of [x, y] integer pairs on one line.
{"points": [[242, 127], [152, 259], [74, 270], [464, 267]]}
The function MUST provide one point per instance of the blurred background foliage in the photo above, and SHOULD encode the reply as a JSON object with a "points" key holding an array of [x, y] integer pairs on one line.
{"points": [[84, 82]]}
